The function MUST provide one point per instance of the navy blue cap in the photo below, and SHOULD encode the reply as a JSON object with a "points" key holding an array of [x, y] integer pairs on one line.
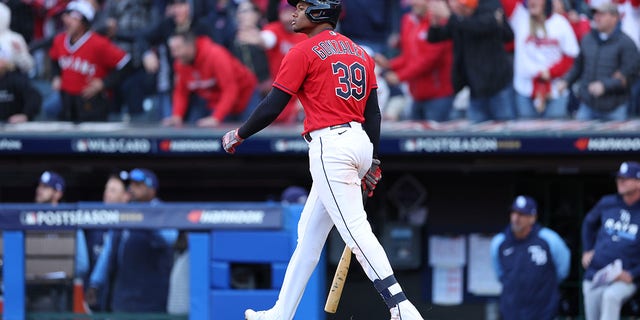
{"points": [[629, 169], [525, 205], [53, 180], [294, 194], [144, 175]]}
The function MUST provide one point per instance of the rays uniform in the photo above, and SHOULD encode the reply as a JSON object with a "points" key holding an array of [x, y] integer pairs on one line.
{"points": [[92, 56]]}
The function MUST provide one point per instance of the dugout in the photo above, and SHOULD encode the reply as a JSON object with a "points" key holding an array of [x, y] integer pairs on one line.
{"points": [[469, 173]]}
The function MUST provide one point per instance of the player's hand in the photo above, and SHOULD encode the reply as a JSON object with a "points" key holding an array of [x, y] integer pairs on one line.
{"points": [[208, 122], [56, 82], [231, 140], [93, 88], [371, 179], [392, 78], [625, 277], [562, 85], [173, 121], [596, 88], [18, 118], [150, 62], [586, 258]]}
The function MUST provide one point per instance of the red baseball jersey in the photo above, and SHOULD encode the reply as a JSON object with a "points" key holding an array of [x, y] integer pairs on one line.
{"points": [[92, 56], [332, 77], [215, 75], [285, 40]]}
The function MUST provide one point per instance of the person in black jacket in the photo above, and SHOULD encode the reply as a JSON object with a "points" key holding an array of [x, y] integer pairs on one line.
{"points": [[605, 68], [479, 31], [19, 100]]}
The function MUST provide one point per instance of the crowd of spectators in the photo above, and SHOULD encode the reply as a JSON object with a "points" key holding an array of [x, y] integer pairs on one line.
{"points": [[203, 62]]}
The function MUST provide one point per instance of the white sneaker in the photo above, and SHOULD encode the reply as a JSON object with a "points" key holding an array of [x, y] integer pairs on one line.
{"points": [[249, 314], [405, 310]]}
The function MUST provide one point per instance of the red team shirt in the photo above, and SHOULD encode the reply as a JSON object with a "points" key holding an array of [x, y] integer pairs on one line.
{"points": [[332, 77], [92, 56], [216, 76]]}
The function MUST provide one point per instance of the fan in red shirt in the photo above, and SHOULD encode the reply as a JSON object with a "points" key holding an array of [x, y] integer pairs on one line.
{"points": [[85, 64], [424, 66], [211, 85]]}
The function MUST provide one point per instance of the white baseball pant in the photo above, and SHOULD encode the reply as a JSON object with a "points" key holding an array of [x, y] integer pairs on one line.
{"points": [[338, 159]]}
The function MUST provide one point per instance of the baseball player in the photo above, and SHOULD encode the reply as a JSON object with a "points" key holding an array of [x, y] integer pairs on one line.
{"points": [[530, 261], [335, 82], [85, 64]]}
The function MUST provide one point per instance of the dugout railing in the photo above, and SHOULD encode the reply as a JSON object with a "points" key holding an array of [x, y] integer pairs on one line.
{"points": [[220, 236]]}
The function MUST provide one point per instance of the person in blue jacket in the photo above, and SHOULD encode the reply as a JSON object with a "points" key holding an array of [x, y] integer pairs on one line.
{"points": [[530, 261], [609, 233]]}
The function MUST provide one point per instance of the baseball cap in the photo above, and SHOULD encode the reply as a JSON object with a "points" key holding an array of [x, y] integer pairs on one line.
{"points": [[84, 8], [53, 180], [606, 7], [629, 169], [144, 175], [294, 194], [525, 205]]}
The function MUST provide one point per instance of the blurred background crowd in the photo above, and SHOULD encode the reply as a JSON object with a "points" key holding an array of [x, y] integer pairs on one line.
{"points": [[204, 62]]}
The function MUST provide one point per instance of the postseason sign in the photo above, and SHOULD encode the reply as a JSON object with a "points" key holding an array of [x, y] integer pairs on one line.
{"points": [[186, 216]]}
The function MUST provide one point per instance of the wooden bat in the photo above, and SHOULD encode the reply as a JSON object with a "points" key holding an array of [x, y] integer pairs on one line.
{"points": [[338, 281], [340, 277]]}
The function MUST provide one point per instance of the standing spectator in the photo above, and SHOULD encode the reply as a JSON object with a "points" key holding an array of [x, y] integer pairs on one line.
{"points": [[371, 23], [545, 46], [211, 85], [479, 32], [607, 65], [579, 22], [13, 43], [277, 38], [19, 100], [122, 21], [115, 192], [530, 261], [425, 66], [609, 233], [87, 64], [251, 53], [140, 260]]}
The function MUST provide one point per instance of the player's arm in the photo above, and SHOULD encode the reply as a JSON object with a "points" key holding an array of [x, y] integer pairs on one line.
{"points": [[590, 226], [372, 120], [265, 113], [116, 76]]}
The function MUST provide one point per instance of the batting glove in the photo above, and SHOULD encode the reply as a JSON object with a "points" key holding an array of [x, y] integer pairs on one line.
{"points": [[231, 140], [371, 179]]}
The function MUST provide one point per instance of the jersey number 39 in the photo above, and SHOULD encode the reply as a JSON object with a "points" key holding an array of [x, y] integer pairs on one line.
{"points": [[352, 80]]}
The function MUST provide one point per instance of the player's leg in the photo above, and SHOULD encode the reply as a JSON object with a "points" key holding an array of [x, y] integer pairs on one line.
{"points": [[339, 162], [614, 296], [592, 300], [313, 229]]}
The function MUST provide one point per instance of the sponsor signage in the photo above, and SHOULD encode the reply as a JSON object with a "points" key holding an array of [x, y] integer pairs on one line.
{"points": [[427, 142], [112, 145], [190, 145], [182, 216]]}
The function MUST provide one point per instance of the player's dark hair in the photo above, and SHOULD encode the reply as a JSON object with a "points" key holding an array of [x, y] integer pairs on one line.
{"points": [[188, 36]]}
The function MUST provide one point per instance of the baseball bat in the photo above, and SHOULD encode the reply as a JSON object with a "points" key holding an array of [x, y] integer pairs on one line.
{"points": [[340, 277], [333, 299]]}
